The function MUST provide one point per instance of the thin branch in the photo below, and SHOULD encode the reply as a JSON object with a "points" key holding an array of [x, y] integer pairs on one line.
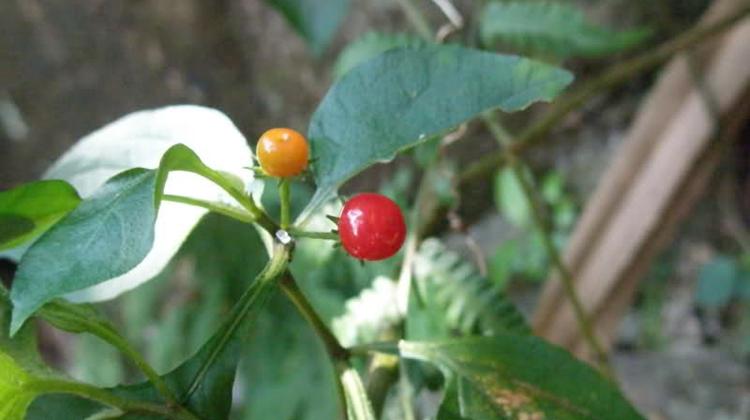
{"points": [[537, 213], [59, 386], [224, 209], [416, 18], [295, 295], [615, 75]]}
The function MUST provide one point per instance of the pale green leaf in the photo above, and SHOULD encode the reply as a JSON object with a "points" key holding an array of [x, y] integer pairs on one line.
{"points": [[369, 46], [315, 20], [28, 210], [552, 28]]}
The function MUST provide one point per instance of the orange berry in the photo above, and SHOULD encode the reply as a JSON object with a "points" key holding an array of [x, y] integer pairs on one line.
{"points": [[282, 152]]}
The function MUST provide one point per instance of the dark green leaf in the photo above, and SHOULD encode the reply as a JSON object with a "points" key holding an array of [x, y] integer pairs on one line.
{"points": [[107, 235], [203, 382], [716, 282], [368, 46], [283, 346], [139, 140], [552, 28], [29, 210], [511, 376], [405, 96], [314, 20]]}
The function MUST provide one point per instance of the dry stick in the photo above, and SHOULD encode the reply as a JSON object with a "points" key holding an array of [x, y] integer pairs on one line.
{"points": [[506, 141], [613, 76]]}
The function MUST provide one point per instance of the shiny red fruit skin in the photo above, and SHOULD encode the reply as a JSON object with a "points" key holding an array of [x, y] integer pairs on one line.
{"points": [[371, 227]]}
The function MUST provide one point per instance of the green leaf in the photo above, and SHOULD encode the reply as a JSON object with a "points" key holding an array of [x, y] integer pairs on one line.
{"points": [[358, 405], [370, 45], [511, 376], [23, 347], [204, 382], [510, 198], [15, 396], [552, 28], [283, 346], [29, 210], [314, 20], [107, 235], [716, 282], [140, 140], [406, 95]]}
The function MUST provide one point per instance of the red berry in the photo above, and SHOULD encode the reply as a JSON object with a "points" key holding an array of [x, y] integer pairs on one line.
{"points": [[371, 227]]}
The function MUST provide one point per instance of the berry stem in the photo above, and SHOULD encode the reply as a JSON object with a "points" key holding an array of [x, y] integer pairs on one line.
{"points": [[285, 196], [229, 211], [333, 236]]}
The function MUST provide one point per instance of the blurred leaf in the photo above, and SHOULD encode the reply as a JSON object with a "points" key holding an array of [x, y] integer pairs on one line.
{"points": [[283, 346], [553, 187], [501, 264], [30, 209], [140, 140], [453, 294], [314, 20], [18, 357], [15, 394], [358, 406], [552, 28], [406, 95], [96, 362], [716, 282], [107, 235], [23, 347], [511, 376], [510, 198], [368, 314], [449, 407], [564, 213], [370, 45]]}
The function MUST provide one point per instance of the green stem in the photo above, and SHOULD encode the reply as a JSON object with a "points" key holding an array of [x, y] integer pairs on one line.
{"points": [[285, 198], [537, 213], [416, 19], [338, 354], [615, 75], [259, 216], [387, 347], [295, 295], [116, 340], [259, 290], [224, 209], [58, 386], [315, 235]]}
